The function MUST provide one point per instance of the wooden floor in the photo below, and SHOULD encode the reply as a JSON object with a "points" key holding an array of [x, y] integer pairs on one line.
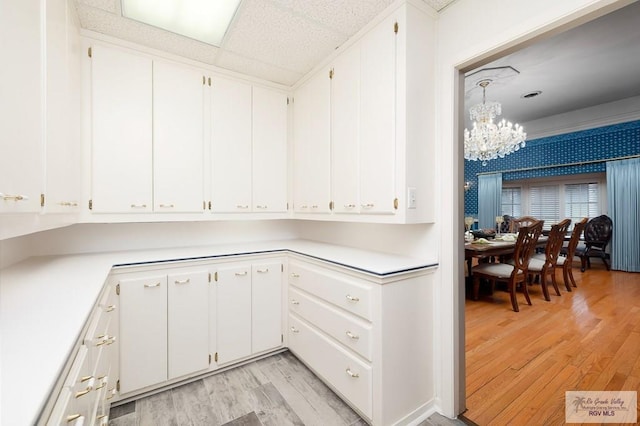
{"points": [[275, 391], [519, 365]]}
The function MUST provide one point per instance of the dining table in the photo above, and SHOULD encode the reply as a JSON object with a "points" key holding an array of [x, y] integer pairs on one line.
{"points": [[485, 249]]}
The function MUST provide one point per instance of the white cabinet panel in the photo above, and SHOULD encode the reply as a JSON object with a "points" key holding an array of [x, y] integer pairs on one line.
{"points": [[377, 119], [121, 131], [188, 323], [178, 124], [233, 289], [269, 151], [62, 128], [143, 332], [230, 146], [21, 162], [345, 105], [312, 137], [266, 296]]}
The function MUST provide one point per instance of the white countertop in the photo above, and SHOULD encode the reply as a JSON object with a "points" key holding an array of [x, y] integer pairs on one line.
{"points": [[45, 302]]}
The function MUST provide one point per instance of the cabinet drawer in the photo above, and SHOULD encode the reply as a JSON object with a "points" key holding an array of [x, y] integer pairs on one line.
{"points": [[344, 292], [348, 375], [102, 329], [352, 332]]}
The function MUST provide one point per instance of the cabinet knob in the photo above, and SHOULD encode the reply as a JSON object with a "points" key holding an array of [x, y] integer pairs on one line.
{"points": [[17, 197], [352, 336], [294, 330], [351, 373], [351, 298]]}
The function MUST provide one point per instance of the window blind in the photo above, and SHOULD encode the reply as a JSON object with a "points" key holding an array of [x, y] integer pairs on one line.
{"points": [[512, 201], [581, 200], [544, 203]]}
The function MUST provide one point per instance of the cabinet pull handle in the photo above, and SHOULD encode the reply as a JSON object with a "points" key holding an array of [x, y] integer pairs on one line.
{"points": [[351, 298], [240, 206], [74, 417], [110, 308], [138, 206], [294, 330], [304, 206], [352, 374], [187, 281], [68, 204], [262, 271], [105, 340], [166, 206], [111, 393], [294, 275], [152, 285], [261, 207], [349, 206], [241, 274], [17, 197], [85, 378], [294, 302], [83, 392], [315, 206], [368, 206], [352, 336]]}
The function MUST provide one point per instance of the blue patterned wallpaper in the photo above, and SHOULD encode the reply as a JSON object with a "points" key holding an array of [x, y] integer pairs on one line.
{"points": [[601, 143]]}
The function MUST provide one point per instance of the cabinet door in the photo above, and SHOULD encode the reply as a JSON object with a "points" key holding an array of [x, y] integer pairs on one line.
{"points": [[62, 130], [233, 289], [143, 332], [230, 146], [21, 166], [188, 323], [121, 129], [345, 105], [312, 137], [178, 149], [377, 119], [266, 304], [269, 150]]}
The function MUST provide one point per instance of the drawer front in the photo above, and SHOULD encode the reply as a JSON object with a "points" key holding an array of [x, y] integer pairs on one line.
{"points": [[102, 328], [344, 292], [350, 376], [351, 331]]}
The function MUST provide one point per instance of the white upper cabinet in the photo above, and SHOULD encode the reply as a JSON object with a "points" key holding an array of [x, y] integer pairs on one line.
{"points": [[230, 146], [121, 120], [312, 150], [345, 114], [178, 150], [62, 135], [377, 119], [269, 151], [21, 97]]}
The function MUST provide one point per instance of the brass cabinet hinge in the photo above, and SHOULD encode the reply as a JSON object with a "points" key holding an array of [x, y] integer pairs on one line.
{"points": [[282, 338], [331, 73], [395, 203], [209, 359], [281, 267], [204, 205], [287, 100], [215, 358], [209, 81], [215, 276], [90, 52], [209, 205], [118, 385], [41, 200], [331, 205], [118, 289], [204, 80], [90, 204], [395, 28]]}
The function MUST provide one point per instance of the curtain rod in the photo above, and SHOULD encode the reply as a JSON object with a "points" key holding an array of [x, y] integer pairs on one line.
{"points": [[581, 163]]}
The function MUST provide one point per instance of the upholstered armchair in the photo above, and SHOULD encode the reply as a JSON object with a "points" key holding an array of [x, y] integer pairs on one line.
{"points": [[597, 236]]}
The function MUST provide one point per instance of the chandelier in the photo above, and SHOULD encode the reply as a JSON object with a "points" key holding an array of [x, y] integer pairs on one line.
{"points": [[487, 140]]}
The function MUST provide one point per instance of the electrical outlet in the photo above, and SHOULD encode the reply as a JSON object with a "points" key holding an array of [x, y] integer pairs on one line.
{"points": [[411, 198]]}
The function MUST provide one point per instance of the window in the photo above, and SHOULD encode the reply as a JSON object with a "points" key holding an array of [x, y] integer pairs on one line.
{"points": [[511, 203], [581, 200], [544, 204]]}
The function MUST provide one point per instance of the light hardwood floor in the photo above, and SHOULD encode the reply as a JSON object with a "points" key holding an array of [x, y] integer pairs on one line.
{"points": [[275, 391], [519, 364]]}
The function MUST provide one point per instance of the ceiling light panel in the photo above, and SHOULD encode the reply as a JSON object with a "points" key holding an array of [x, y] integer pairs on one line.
{"points": [[204, 20]]}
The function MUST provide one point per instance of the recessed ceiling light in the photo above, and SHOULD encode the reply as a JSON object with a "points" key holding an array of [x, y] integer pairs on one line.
{"points": [[204, 20], [531, 94]]}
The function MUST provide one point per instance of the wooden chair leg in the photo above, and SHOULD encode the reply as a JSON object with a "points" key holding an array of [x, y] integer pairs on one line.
{"points": [[583, 263], [543, 284], [606, 264], [512, 293], [554, 281], [525, 290], [565, 276], [476, 287]]}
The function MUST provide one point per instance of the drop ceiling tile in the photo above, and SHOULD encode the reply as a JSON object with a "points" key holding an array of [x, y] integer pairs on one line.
{"points": [[345, 16], [126, 29], [276, 35], [234, 62]]}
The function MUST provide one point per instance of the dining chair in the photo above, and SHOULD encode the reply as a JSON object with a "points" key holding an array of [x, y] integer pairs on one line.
{"points": [[512, 273], [517, 222], [597, 236], [567, 254], [543, 265]]}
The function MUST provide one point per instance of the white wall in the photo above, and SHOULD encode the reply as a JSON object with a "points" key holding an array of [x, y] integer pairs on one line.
{"points": [[470, 31]]}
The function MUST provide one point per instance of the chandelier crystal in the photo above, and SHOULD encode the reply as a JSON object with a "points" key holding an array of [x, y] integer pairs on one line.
{"points": [[487, 140]]}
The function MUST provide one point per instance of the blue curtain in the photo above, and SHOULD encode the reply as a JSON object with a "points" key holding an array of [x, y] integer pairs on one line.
{"points": [[623, 196], [489, 199]]}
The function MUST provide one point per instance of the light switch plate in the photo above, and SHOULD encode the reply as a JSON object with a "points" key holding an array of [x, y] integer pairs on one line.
{"points": [[411, 198]]}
